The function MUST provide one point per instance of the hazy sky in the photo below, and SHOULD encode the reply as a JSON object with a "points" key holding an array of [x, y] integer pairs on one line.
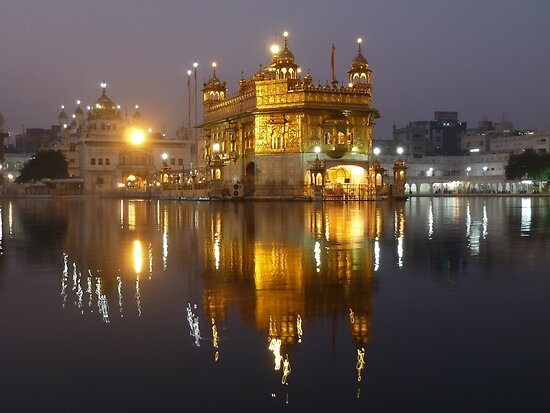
{"points": [[478, 57]]}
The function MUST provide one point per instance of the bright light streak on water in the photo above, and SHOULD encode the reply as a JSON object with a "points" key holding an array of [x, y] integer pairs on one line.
{"points": [[431, 221], [485, 222], [286, 370], [400, 251], [64, 279], [360, 362], [468, 220], [376, 254], [165, 239], [119, 291], [89, 288], [275, 348], [216, 251], [525, 216], [121, 213], [299, 328], [10, 220], [150, 256], [138, 297], [193, 321], [317, 255], [1, 232], [131, 216]]}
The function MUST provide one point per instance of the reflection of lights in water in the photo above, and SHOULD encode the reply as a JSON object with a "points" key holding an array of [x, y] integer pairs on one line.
{"points": [[215, 340], [360, 362], [196, 219], [89, 288], [468, 220], [79, 293], [121, 213], [165, 238], [138, 259], [102, 304], [216, 251], [138, 265], [376, 254], [317, 255], [75, 276], [64, 279], [286, 370], [525, 216], [400, 251], [158, 215], [351, 316], [10, 219], [299, 328], [275, 347], [430, 221], [131, 216], [1, 232], [150, 251], [327, 228], [119, 290], [193, 324], [138, 297], [485, 221]]}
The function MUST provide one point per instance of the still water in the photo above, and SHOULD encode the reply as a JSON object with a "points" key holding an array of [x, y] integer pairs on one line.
{"points": [[436, 304]]}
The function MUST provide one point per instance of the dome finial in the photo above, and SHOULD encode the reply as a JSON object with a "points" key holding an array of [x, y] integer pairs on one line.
{"points": [[285, 35], [359, 41]]}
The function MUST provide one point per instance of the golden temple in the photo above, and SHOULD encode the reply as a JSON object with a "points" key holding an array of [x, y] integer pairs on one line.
{"points": [[282, 136]]}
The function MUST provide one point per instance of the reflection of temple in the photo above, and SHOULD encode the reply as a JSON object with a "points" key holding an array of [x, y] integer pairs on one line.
{"points": [[281, 135], [277, 279]]}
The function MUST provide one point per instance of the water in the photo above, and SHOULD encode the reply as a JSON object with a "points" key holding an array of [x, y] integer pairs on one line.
{"points": [[430, 305]]}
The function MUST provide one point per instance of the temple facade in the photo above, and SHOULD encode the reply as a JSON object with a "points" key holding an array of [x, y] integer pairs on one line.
{"points": [[109, 152], [281, 135]]}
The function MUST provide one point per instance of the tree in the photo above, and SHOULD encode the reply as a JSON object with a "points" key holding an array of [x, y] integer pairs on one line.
{"points": [[45, 164], [528, 164]]}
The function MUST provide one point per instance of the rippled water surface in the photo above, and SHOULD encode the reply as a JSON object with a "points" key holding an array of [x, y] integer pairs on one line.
{"points": [[430, 305]]}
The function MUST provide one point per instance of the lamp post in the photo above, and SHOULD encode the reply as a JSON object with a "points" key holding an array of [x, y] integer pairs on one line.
{"points": [[196, 154]]}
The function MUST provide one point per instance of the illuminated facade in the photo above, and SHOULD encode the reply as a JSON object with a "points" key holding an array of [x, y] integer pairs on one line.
{"points": [[279, 127], [109, 151]]}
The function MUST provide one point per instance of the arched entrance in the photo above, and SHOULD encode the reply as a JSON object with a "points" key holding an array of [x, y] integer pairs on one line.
{"points": [[346, 182]]}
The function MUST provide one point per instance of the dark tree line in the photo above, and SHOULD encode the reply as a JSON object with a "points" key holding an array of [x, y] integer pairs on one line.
{"points": [[528, 164], [45, 164]]}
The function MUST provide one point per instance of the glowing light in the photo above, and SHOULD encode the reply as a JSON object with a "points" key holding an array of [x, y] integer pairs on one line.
{"points": [[317, 255], [359, 40], [195, 65], [275, 49], [164, 156], [137, 137], [216, 147], [525, 216], [299, 70], [137, 107], [376, 254], [430, 221], [468, 168], [119, 291], [62, 107], [118, 107], [103, 85], [214, 64], [189, 72], [285, 34], [299, 328], [138, 260], [376, 151], [78, 102], [399, 150]]}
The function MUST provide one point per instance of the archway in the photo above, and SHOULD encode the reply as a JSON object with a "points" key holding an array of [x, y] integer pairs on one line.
{"points": [[346, 182]]}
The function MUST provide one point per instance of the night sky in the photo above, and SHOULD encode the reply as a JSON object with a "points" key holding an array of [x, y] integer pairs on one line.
{"points": [[478, 57]]}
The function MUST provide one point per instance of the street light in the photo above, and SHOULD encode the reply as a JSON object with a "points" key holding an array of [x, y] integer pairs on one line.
{"points": [[376, 151], [399, 150], [317, 149]]}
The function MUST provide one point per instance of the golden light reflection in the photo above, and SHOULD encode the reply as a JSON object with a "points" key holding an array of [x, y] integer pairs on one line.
{"points": [[138, 258], [131, 216], [121, 213], [360, 362], [286, 370], [64, 276], [275, 347], [299, 328], [165, 238]]}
